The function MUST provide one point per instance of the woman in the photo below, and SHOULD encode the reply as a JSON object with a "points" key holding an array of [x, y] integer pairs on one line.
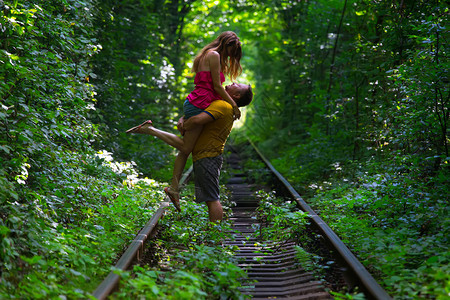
{"points": [[219, 58]]}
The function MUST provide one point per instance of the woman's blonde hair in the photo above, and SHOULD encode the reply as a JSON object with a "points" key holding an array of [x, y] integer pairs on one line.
{"points": [[230, 65]]}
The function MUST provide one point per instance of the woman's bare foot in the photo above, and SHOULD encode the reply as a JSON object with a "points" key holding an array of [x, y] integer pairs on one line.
{"points": [[174, 197], [143, 128]]}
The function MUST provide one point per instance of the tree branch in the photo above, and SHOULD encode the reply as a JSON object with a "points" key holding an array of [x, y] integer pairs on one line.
{"points": [[333, 58]]}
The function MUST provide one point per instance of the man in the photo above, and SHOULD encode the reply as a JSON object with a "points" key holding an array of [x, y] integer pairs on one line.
{"points": [[217, 121]]}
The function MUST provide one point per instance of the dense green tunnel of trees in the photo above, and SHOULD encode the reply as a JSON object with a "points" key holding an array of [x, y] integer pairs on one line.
{"points": [[351, 105]]}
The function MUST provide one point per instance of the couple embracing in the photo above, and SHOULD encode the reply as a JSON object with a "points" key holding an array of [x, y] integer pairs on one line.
{"points": [[209, 112]]}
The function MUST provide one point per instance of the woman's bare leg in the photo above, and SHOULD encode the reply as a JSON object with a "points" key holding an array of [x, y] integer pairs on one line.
{"points": [[185, 145], [167, 137], [189, 140], [178, 167]]}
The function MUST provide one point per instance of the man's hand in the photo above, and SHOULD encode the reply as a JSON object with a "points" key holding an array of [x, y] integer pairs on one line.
{"points": [[180, 126], [236, 113]]}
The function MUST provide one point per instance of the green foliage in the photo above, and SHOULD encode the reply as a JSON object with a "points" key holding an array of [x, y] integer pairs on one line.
{"points": [[342, 296], [44, 94], [256, 171], [138, 78], [424, 92], [354, 112], [365, 90], [355, 108], [192, 261], [65, 239], [203, 273], [65, 211], [283, 222], [397, 226], [305, 259]]}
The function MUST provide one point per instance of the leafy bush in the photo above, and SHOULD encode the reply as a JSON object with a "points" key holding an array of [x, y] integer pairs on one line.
{"points": [[397, 226], [65, 211], [64, 241]]}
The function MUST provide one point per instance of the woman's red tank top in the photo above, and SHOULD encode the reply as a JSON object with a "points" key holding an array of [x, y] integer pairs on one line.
{"points": [[204, 93]]}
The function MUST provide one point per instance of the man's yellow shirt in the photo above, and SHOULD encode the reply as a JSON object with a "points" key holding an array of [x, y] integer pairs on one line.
{"points": [[214, 134]]}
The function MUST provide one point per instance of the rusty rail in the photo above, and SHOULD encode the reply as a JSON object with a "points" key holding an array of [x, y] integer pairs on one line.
{"points": [[364, 278], [134, 250]]}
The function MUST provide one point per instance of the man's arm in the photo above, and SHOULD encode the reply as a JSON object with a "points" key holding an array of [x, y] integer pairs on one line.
{"points": [[197, 120]]}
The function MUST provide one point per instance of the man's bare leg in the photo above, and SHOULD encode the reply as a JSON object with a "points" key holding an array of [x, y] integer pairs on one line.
{"points": [[215, 211]]}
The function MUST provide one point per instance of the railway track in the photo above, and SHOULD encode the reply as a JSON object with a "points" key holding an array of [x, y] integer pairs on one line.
{"points": [[272, 270], [272, 267]]}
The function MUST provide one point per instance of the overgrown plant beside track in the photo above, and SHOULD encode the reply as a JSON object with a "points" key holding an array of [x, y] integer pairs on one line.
{"points": [[396, 225], [65, 213], [64, 243], [189, 261], [281, 220]]}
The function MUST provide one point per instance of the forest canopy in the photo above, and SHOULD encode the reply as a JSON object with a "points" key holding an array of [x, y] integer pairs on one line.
{"points": [[351, 105]]}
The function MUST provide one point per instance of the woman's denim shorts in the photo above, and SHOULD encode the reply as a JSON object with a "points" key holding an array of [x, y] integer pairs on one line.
{"points": [[190, 110]]}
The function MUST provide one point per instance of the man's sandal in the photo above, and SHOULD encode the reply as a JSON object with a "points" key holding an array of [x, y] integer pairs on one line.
{"points": [[175, 201]]}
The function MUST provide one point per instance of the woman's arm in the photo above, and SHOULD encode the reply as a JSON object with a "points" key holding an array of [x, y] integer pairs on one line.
{"points": [[213, 58]]}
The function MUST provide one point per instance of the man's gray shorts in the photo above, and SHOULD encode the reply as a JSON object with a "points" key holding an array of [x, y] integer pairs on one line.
{"points": [[206, 177]]}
